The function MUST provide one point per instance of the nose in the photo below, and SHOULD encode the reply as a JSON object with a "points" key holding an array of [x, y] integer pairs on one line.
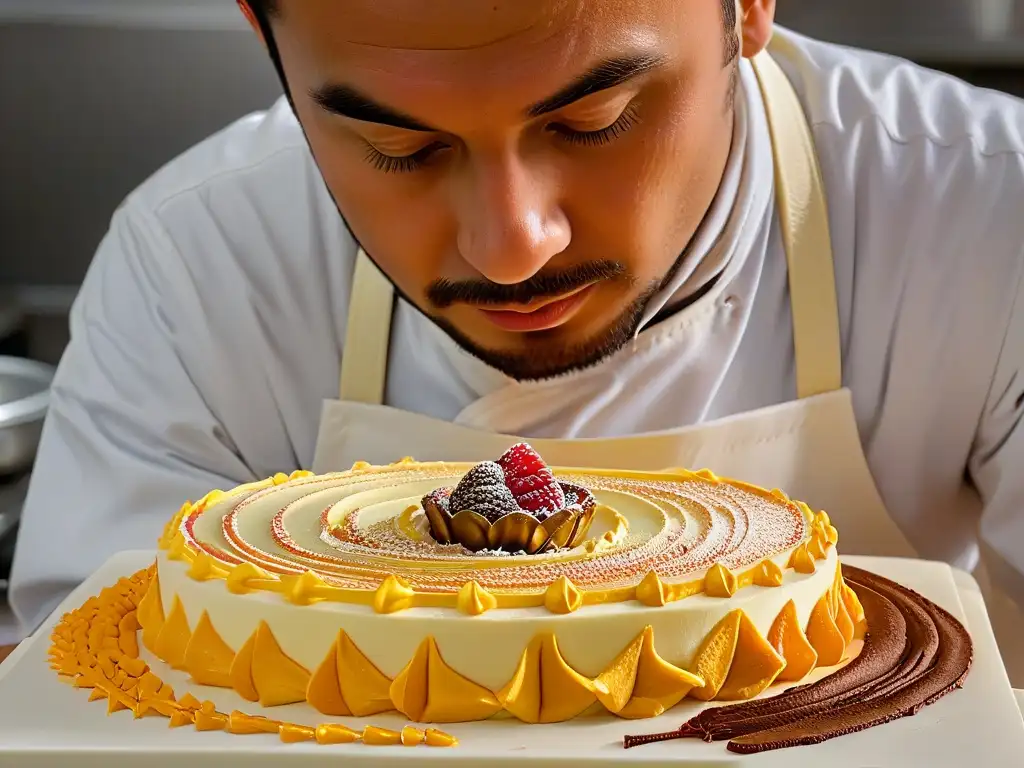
{"points": [[510, 223]]}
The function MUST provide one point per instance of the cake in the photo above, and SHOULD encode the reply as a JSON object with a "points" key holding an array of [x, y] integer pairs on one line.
{"points": [[452, 593]]}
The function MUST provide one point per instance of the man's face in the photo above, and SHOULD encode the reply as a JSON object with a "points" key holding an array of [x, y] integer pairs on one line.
{"points": [[527, 172]]}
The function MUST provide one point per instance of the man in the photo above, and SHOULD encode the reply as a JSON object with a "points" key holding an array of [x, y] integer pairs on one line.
{"points": [[603, 223]]}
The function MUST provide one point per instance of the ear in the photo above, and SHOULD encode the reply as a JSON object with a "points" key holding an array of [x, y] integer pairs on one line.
{"points": [[250, 17], [756, 21]]}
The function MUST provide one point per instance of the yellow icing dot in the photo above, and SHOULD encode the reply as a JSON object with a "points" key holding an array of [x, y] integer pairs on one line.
{"points": [[205, 568], [394, 594], [768, 574], [436, 738], [720, 581], [474, 600], [651, 590], [412, 737], [801, 560], [562, 596]]}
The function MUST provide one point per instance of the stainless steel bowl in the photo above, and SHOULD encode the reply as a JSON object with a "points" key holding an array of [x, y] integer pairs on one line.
{"points": [[24, 398]]}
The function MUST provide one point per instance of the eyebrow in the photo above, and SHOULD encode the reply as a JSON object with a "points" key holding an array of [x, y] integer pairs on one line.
{"points": [[347, 102], [608, 74]]}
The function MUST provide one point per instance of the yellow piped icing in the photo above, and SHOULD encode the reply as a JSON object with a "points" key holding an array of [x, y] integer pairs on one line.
{"points": [[394, 594], [720, 582], [171, 643], [544, 688], [126, 683], [562, 596], [428, 690], [207, 657], [277, 677], [474, 600]]}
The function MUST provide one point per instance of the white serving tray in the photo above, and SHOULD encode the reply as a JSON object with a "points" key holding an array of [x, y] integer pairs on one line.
{"points": [[45, 722]]}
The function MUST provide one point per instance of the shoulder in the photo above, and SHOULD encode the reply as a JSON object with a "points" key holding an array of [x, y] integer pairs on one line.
{"points": [[240, 225], [846, 89], [924, 175]]}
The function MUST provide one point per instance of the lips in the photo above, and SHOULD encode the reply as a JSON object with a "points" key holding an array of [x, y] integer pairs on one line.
{"points": [[539, 317]]}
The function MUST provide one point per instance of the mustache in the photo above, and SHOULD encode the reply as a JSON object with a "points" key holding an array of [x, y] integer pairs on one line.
{"points": [[443, 293]]}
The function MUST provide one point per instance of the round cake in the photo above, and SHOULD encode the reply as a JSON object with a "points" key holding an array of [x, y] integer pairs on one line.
{"points": [[459, 592]]}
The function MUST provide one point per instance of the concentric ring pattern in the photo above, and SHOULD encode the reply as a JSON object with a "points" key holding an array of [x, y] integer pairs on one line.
{"points": [[355, 529]]}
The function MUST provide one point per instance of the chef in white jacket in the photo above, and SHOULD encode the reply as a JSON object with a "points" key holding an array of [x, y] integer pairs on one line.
{"points": [[639, 233]]}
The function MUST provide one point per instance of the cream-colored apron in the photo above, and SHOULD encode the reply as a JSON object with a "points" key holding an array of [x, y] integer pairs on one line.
{"points": [[809, 447]]}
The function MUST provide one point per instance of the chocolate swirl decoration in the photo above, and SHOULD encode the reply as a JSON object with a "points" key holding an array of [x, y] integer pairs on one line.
{"points": [[914, 654]]}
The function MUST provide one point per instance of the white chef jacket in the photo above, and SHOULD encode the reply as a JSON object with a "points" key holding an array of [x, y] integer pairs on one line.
{"points": [[210, 326]]}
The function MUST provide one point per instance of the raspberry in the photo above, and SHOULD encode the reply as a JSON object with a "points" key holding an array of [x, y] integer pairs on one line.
{"points": [[483, 490], [531, 482]]}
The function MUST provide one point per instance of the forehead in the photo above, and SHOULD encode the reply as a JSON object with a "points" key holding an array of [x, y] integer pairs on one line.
{"points": [[422, 55]]}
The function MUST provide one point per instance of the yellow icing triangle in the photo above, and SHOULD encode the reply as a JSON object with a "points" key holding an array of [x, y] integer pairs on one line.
{"points": [[240, 673], [843, 621], [278, 679], [789, 640], [658, 686], [824, 635], [364, 688], [150, 614], [428, 690], [173, 639], [616, 682], [853, 606], [714, 657], [324, 690], [208, 658], [545, 689], [755, 664]]}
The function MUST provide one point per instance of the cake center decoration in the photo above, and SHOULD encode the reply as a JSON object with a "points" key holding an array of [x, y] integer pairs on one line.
{"points": [[513, 505]]}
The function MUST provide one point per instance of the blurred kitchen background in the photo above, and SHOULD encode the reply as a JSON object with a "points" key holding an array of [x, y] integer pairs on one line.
{"points": [[95, 95]]}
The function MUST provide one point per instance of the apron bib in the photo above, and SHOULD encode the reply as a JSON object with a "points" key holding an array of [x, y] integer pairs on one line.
{"points": [[809, 447]]}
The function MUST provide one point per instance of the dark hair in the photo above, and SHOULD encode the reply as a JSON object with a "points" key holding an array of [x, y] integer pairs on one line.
{"points": [[265, 8]]}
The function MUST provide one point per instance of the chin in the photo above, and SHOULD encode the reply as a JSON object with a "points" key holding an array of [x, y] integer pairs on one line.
{"points": [[554, 352]]}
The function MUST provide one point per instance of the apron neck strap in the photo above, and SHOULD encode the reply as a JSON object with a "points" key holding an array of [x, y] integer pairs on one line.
{"points": [[364, 360], [803, 216]]}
